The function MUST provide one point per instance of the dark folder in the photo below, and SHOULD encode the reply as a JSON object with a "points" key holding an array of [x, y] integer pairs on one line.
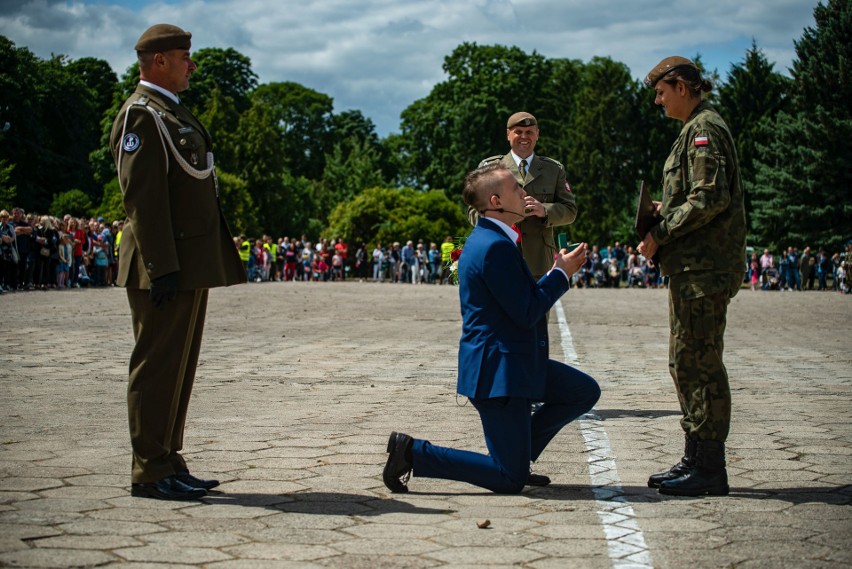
{"points": [[646, 213], [646, 217]]}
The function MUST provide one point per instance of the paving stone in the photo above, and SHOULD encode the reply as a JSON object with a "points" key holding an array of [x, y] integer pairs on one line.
{"points": [[55, 558], [298, 439], [172, 554]]}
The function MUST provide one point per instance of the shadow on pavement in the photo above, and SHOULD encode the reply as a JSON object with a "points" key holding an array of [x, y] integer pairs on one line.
{"points": [[604, 414], [840, 495], [322, 503]]}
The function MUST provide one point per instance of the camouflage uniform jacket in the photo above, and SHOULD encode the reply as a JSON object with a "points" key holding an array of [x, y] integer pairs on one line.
{"points": [[703, 216]]}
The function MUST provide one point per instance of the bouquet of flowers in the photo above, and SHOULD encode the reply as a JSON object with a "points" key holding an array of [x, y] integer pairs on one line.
{"points": [[452, 266]]}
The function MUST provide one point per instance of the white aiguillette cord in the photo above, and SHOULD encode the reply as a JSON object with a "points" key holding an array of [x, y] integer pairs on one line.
{"points": [[164, 138]]}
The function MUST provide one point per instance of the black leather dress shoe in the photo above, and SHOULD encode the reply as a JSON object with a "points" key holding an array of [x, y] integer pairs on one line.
{"points": [[538, 480], [398, 467], [168, 488], [191, 480]]}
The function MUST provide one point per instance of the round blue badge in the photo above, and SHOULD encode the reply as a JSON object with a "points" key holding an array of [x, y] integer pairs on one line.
{"points": [[131, 142]]}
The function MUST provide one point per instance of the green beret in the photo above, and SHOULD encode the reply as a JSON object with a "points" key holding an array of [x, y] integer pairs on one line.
{"points": [[163, 37], [665, 67], [521, 119]]}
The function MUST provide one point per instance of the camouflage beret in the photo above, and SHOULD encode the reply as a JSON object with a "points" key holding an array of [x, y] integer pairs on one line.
{"points": [[163, 37], [665, 67], [521, 119]]}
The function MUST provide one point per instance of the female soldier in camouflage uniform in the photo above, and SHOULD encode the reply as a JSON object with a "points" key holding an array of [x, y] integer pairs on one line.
{"points": [[701, 242]]}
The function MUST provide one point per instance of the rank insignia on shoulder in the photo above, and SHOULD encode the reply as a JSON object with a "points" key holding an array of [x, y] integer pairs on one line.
{"points": [[701, 141], [131, 142]]}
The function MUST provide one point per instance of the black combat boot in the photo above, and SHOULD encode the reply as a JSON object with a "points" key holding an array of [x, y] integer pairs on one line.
{"points": [[706, 476], [688, 459]]}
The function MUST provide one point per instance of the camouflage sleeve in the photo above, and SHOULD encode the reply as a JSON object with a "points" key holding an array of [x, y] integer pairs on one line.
{"points": [[563, 210], [704, 182]]}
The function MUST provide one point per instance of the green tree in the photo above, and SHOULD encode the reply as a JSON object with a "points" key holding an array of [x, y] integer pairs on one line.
{"points": [[112, 202], [753, 94], [803, 186], [225, 71], [385, 215], [351, 167], [73, 202], [237, 204], [8, 192], [302, 117], [49, 111], [602, 159], [462, 120]]}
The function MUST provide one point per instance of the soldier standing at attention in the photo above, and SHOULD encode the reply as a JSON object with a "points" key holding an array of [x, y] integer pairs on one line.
{"points": [[701, 242], [549, 200], [175, 246]]}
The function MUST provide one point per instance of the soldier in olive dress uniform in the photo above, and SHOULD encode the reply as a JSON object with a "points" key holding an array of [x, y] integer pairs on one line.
{"points": [[549, 200], [701, 243], [175, 246]]}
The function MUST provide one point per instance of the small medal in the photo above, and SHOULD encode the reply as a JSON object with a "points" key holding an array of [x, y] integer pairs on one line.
{"points": [[194, 158]]}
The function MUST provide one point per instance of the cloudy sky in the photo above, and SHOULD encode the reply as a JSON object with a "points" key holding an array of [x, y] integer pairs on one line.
{"points": [[381, 55]]}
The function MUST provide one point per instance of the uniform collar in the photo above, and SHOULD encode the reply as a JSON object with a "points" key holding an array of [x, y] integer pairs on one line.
{"points": [[174, 98], [518, 159]]}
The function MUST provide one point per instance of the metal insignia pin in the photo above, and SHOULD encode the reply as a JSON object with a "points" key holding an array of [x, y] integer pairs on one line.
{"points": [[194, 158]]}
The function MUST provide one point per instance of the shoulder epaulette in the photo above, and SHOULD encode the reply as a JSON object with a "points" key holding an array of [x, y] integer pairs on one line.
{"points": [[490, 159], [143, 100], [546, 159]]}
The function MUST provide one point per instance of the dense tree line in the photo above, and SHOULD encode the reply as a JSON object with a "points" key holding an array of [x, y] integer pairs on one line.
{"points": [[288, 164]]}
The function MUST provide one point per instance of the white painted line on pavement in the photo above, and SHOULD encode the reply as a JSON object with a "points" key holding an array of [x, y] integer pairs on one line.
{"points": [[625, 542]]}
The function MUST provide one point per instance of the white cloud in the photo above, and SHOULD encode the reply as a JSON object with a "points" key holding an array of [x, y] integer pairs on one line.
{"points": [[381, 55]]}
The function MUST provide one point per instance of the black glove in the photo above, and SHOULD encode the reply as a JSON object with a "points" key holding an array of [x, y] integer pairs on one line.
{"points": [[163, 289]]}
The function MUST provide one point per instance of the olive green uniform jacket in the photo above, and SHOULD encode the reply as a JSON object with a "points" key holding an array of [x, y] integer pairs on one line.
{"points": [[174, 220], [545, 182]]}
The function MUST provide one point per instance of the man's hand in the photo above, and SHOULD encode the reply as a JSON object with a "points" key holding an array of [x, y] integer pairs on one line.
{"points": [[533, 207], [648, 247], [570, 262], [658, 207], [163, 289]]}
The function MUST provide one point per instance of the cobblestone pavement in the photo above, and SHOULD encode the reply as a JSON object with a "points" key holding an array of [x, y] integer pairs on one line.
{"points": [[300, 385]]}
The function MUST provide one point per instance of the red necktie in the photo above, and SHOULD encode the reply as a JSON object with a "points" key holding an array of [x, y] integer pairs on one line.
{"points": [[518, 231]]}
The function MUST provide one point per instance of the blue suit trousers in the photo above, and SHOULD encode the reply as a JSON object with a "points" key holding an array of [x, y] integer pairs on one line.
{"points": [[514, 437]]}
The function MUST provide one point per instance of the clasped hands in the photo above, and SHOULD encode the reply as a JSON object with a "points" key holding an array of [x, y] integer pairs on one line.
{"points": [[648, 247]]}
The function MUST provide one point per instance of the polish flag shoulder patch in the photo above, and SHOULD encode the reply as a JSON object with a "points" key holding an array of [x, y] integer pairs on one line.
{"points": [[567, 187], [701, 141]]}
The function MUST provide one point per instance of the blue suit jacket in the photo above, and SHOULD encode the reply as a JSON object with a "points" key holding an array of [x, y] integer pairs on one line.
{"points": [[503, 349]]}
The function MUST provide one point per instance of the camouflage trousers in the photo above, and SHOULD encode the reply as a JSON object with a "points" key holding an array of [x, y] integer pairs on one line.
{"points": [[697, 319]]}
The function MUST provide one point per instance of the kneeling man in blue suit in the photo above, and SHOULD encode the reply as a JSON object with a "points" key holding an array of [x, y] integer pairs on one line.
{"points": [[504, 364]]}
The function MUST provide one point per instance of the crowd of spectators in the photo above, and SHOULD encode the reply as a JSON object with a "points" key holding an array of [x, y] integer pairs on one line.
{"points": [[44, 252], [291, 259]]}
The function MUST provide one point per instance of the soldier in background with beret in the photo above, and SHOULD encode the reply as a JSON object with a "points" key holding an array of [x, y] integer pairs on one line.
{"points": [[175, 246], [549, 200], [701, 243]]}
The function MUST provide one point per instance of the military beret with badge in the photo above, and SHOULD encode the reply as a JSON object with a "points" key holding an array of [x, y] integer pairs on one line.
{"points": [[521, 119]]}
